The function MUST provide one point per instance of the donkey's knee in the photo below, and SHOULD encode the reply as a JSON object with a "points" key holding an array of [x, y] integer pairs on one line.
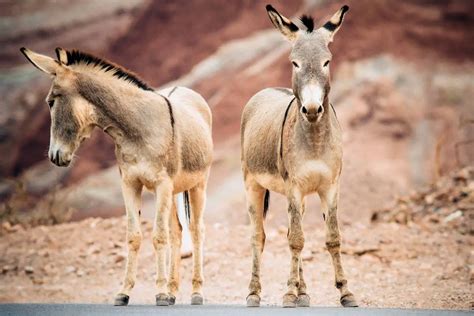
{"points": [[160, 240], [333, 245], [134, 240], [296, 241]]}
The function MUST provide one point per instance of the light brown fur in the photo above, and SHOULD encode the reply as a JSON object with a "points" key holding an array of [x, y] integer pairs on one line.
{"points": [[291, 143], [162, 144]]}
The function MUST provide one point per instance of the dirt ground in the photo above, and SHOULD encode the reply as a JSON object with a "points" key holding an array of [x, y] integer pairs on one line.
{"points": [[84, 262]]}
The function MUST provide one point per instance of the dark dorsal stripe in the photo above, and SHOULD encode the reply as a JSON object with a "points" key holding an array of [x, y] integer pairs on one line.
{"points": [[307, 21], [282, 129], [172, 90], [331, 26], [172, 165], [76, 57], [170, 109]]}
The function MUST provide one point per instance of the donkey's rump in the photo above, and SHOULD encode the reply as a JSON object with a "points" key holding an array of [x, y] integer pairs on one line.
{"points": [[262, 119], [192, 118]]}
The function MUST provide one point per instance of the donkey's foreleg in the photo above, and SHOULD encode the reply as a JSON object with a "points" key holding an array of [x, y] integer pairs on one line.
{"points": [[161, 238], [175, 260], [329, 201], [255, 203], [197, 199], [132, 198], [303, 297], [296, 244]]}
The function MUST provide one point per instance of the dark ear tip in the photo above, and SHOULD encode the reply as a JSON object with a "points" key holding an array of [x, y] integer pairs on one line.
{"points": [[345, 8], [23, 49], [57, 50], [269, 7]]}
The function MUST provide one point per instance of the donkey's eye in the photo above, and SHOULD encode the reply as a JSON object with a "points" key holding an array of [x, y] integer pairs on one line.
{"points": [[326, 63], [50, 103], [295, 64]]}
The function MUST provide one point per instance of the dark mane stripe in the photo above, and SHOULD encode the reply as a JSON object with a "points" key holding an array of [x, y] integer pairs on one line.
{"points": [[307, 21], [76, 57]]}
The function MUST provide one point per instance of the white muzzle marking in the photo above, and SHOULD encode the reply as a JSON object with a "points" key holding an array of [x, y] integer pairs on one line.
{"points": [[312, 95]]}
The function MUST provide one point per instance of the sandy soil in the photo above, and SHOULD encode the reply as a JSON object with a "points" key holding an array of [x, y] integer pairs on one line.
{"points": [[84, 262]]}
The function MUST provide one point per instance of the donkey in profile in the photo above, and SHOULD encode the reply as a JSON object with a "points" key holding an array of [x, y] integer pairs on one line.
{"points": [[162, 143], [291, 144]]}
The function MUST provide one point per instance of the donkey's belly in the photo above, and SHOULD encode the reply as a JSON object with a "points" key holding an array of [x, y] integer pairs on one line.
{"points": [[271, 182], [186, 180]]}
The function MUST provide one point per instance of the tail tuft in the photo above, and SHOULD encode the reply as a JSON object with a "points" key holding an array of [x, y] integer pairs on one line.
{"points": [[266, 203], [187, 208]]}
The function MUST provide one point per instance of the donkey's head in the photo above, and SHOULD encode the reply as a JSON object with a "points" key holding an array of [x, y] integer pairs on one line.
{"points": [[71, 115], [310, 57]]}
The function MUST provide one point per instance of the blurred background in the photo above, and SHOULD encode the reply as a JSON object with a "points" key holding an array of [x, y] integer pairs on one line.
{"points": [[403, 88]]}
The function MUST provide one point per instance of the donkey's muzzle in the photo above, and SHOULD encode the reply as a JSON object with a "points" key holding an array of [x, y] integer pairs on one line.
{"points": [[59, 159], [312, 113]]}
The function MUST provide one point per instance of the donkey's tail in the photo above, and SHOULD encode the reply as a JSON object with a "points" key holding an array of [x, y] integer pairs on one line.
{"points": [[187, 207], [266, 203], [184, 217]]}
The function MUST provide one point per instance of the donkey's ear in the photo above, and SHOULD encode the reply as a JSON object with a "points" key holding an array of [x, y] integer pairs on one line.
{"points": [[332, 26], [62, 55], [283, 24], [42, 62]]}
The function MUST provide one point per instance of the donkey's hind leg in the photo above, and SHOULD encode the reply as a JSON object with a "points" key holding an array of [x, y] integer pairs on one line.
{"points": [[175, 260], [255, 203], [329, 199], [164, 201], [197, 199], [132, 198]]}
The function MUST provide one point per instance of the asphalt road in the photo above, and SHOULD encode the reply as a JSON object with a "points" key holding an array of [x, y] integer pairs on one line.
{"points": [[206, 310]]}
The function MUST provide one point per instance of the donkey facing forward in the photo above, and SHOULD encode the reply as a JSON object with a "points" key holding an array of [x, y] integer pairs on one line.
{"points": [[162, 142], [291, 144]]}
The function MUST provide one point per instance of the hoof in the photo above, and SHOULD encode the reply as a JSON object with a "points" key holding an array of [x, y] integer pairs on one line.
{"points": [[289, 300], [162, 300], [303, 300], [196, 299], [121, 300], [171, 299], [253, 300], [349, 300]]}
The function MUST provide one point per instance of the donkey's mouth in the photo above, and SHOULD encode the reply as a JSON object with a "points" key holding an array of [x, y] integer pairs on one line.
{"points": [[64, 163], [59, 160], [61, 163]]}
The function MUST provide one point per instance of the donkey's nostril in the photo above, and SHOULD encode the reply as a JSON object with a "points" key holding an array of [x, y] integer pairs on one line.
{"points": [[304, 110], [55, 157], [320, 109]]}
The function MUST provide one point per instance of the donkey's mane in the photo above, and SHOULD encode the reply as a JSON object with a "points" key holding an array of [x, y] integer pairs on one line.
{"points": [[76, 57], [307, 21]]}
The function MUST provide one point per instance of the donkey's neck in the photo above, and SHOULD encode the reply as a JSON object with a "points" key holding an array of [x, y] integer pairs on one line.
{"points": [[313, 136], [123, 110]]}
